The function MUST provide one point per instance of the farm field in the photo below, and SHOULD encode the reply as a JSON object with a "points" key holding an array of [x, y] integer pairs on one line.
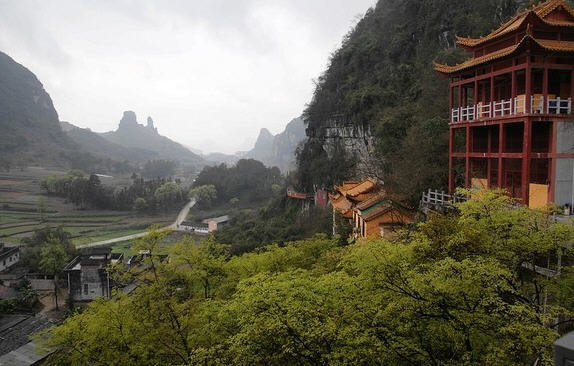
{"points": [[20, 195]]}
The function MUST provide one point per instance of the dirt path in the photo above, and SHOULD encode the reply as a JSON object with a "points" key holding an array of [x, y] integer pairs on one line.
{"points": [[180, 218]]}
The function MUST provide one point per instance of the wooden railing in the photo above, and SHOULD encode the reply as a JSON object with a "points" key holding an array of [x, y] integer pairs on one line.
{"points": [[440, 198], [539, 104]]}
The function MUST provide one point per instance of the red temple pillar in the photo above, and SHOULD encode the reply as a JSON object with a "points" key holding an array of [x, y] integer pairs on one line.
{"points": [[475, 96], [500, 151], [467, 179], [491, 93], [552, 162], [450, 161], [526, 160], [513, 88], [450, 101], [528, 86]]}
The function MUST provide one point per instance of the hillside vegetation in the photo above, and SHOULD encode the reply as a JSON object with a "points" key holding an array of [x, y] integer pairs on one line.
{"points": [[29, 125], [382, 78], [415, 301]]}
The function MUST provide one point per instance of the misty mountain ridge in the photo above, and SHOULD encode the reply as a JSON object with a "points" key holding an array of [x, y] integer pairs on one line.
{"points": [[272, 150], [29, 122], [96, 144], [133, 135]]}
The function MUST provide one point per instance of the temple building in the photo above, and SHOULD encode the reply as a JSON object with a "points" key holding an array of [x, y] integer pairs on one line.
{"points": [[369, 209], [511, 122]]}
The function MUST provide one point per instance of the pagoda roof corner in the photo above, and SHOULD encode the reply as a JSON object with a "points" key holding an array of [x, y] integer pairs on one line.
{"points": [[536, 13]]}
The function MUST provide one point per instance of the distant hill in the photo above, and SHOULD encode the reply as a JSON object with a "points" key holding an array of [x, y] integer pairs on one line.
{"points": [[99, 146], [279, 150], [132, 135], [30, 131], [222, 158]]}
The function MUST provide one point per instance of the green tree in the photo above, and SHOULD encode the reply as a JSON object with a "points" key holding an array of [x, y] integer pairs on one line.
{"points": [[159, 168], [53, 260], [453, 292], [168, 194], [140, 204], [41, 208], [205, 195], [34, 244]]}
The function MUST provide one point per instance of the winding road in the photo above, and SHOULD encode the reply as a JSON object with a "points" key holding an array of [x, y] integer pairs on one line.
{"points": [[180, 218]]}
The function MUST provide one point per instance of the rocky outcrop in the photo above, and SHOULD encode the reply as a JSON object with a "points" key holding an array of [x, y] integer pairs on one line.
{"points": [[279, 150], [150, 125], [356, 141], [29, 126], [133, 135]]}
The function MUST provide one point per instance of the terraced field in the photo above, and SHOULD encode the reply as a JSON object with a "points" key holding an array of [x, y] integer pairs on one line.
{"points": [[20, 195]]}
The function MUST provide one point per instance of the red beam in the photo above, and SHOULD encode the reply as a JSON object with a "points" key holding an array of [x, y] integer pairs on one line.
{"points": [[450, 161], [500, 151], [467, 176]]}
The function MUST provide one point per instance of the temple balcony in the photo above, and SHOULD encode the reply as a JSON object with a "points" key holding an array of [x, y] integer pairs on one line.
{"points": [[539, 104]]}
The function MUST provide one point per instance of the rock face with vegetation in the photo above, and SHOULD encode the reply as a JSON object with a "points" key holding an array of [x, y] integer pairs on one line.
{"points": [[133, 135], [381, 91], [30, 130], [279, 150], [29, 124]]}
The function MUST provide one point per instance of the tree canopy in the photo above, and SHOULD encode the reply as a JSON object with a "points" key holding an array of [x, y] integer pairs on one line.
{"points": [[248, 180], [453, 292]]}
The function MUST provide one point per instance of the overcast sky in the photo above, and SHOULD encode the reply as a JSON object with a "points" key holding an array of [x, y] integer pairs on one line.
{"points": [[211, 73]]}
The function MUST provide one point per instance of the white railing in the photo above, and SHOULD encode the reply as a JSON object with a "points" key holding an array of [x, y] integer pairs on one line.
{"points": [[467, 113], [455, 115], [483, 110], [502, 108], [440, 198], [559, 106], [509, 107]]}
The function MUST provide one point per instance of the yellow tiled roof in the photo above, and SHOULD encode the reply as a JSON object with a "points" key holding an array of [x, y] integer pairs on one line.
{"points": [[540, 11], [340, 202], [563, 46], [364, 187], [374, 199]]}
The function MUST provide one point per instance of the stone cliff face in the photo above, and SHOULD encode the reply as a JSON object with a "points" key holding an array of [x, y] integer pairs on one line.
{"points": [[150, 126], [279, 150], [29, 126], [380, 96], [263, 146], [356, 141]]}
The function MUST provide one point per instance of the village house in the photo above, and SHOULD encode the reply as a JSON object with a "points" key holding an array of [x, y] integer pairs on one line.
{"points": [[369, 209], [511, 122], [189, 226], [9, 256], [214, 222], [87, 275]]}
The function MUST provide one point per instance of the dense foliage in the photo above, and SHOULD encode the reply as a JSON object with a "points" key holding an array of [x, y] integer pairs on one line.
{"points": [[282, 220], [248, 181], [44, 238], [382, 79], [141, 195], [454, 292], [158, 169]]}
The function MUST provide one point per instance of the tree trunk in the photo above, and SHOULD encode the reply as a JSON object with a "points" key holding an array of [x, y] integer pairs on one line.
{"points": [[56, 291]]}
